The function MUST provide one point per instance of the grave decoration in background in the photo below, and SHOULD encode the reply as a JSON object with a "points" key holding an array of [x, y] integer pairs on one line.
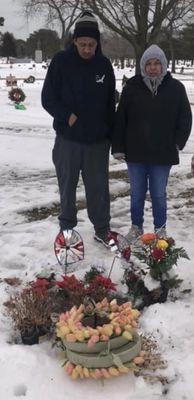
{"points": [[17, 96], [11, 80], [150, 275], [30, 79]]}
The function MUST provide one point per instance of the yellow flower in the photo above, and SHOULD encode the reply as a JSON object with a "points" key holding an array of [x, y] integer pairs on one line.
{"points": [[162, 244]]}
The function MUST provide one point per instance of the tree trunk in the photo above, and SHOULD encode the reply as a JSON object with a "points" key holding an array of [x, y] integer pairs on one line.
{"points": [[122, 60], [173, 69], [138, 54]]}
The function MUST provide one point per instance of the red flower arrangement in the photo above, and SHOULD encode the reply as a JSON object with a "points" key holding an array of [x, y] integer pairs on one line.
{"points": [[149, 281], [160, 254], [97, 286]]}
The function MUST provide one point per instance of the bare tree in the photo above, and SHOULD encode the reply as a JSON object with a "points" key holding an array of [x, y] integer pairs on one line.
{"points": [[122, 51], [178, 17], [139, 21], [61, 12]]}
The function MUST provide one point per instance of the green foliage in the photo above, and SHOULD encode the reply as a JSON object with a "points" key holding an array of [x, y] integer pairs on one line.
{"points": [[92, 273], [8, 47], [46, 40], [186, 42]]}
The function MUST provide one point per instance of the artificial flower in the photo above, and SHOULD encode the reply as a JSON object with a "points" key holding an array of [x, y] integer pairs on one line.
{"points": [[162, 244], [148, 238], [157, 253]]}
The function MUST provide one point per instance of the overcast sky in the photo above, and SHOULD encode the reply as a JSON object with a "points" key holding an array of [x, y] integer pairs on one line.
{"points": [[15, 23]]}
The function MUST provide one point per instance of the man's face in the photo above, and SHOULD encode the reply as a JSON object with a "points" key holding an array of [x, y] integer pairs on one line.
{"points": [[86, 47], [153, 68]]}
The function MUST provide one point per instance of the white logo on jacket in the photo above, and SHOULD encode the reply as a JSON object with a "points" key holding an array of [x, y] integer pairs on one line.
{"points": [[100, 79]]}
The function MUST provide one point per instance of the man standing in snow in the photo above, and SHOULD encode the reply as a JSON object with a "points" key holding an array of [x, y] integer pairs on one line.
{"points": [[79, 93], [153, 124]]}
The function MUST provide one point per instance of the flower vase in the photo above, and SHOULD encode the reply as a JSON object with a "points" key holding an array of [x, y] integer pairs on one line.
{"points": [[30, 336], [158, 295]]}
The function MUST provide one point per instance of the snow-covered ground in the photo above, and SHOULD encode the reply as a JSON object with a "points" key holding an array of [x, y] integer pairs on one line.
{"points": [[28, 182]]}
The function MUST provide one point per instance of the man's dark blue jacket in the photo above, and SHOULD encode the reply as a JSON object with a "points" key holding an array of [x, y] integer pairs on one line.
{"points": [[85, 88]]}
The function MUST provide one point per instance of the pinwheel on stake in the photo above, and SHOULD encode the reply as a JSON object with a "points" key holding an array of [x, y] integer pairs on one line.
{"points": [[69, 247]]}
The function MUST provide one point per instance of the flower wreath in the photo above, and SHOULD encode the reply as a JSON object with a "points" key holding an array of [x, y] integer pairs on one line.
{"points": [[79, 340], [17, 95]]}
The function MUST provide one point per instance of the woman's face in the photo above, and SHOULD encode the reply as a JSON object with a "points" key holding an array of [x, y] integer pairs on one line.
{"points": [[153, 68]]}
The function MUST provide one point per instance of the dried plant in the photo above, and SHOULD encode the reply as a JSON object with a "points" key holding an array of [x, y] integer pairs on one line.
{"points": [[30, 309], [154, 363]]}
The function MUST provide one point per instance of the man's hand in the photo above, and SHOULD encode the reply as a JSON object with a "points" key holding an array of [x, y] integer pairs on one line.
{"points": [[72, 119]]}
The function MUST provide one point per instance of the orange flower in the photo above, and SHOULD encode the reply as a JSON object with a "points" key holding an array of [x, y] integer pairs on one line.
{"points": [[148, 238]]}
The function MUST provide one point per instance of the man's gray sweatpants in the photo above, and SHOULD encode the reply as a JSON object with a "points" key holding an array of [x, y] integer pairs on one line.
{"points": [[92, 160]]}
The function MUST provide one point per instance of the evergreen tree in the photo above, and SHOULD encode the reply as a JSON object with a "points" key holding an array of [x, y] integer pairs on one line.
{"points": [[46, 40], [187, 43], [8, 48]]}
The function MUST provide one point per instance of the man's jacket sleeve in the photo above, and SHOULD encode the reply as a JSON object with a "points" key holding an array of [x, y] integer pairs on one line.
{"points": [[111, 99], [51, 94]]}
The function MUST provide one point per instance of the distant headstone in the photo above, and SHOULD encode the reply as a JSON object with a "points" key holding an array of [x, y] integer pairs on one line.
{"points": [[38, 56]]}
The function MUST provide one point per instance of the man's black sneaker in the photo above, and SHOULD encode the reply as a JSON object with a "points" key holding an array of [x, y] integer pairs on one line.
{"points": [[103, 237], [108, 238]]}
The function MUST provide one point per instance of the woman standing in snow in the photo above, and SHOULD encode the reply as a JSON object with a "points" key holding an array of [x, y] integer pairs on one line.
{"points": [[153, 124]]}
